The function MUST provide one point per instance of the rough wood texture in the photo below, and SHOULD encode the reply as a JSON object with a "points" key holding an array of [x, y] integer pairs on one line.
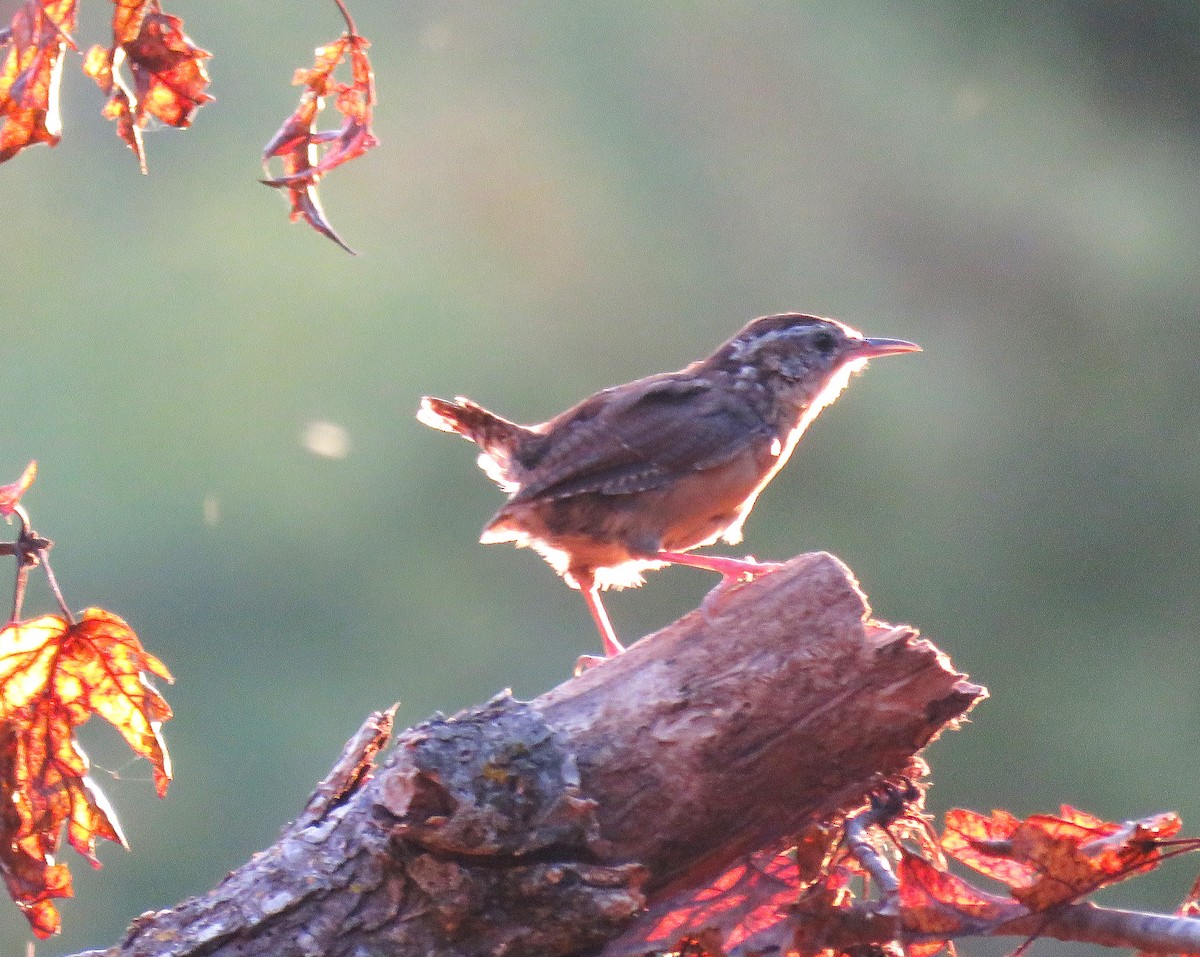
{"points": [[738, 723], [544, 828]]}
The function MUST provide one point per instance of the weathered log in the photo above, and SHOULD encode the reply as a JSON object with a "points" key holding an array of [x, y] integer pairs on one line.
{"points": [[547, 827]]}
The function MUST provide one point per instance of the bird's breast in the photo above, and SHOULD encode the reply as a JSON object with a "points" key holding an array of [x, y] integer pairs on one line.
{"points": [[707, 505]]}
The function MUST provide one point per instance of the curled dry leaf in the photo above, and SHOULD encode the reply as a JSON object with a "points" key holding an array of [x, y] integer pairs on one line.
{"points": [[1047, 860], [10, 494], [169, 77], [38, 36], [54, 675], [298, 143]]}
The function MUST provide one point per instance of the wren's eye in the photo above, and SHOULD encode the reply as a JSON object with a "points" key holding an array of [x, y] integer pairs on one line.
{"points": [[824, 341]]}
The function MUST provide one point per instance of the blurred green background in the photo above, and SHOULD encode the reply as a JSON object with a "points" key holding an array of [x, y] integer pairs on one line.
{"points": [[568, 196]]}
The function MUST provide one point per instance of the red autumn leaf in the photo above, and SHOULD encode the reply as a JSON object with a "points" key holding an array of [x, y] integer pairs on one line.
{"points": [[39, 34], [979, 842], [747, 898], [54, 676], [127, 20], [818, 912], [10, 494], [168, 69], [169, 77], [934, 901], [1048, 860], [706, 943], [299, 144]]}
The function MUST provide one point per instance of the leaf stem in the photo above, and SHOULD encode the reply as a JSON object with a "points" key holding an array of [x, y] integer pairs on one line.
{"points": [[20, 550], [58, 595], [350, 28], [31, 549]]}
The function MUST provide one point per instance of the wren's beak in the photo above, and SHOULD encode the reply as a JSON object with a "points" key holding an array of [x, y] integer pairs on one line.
{"points": [[870, 348]]}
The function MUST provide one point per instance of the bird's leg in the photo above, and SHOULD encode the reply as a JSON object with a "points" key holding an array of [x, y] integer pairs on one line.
{"points": [[612, 645], [730, 569]]}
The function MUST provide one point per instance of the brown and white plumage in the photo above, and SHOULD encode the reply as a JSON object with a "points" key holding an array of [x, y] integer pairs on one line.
{"points": [[637, 475]]}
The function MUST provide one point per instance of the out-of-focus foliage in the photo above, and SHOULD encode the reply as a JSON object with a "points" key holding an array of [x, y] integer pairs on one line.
{"points": [[300, 145], [54, 675], [167, 69], [56, 672], [32, 45], [567, 197], [168, 72]]}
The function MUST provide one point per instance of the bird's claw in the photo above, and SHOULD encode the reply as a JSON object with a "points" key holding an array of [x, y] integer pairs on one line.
{"points": [[750, 569]]}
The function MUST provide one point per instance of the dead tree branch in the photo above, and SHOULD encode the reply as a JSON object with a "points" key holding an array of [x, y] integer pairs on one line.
{"points": [[547, 827]]}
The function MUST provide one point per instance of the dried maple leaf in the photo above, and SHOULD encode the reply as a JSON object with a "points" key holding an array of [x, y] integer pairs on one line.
{"points": [[820, 911], [54, 675], [169, 77], [127, 19], [38, 36], [934, 901], [981, 842], [1047, 860], [298, 143], [10, 494]]}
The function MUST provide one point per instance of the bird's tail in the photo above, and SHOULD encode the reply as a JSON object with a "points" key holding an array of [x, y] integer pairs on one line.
{"points": [[498, 439]]}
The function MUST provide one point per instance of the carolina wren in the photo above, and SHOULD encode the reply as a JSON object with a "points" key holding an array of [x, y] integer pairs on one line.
{"points": [[638, 475]]}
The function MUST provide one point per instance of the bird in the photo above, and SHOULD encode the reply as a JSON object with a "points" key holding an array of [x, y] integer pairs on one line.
{"points": [[636, 476]]}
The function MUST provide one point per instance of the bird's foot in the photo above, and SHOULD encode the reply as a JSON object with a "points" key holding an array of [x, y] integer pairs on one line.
{"points": [[747, 569], [587, 662], [734, 572]]}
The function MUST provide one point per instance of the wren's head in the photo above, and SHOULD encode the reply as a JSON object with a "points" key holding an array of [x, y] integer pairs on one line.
{"points": [[796, 347], [800, 355]]}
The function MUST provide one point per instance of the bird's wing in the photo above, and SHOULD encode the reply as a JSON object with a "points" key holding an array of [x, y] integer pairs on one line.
{"points": [[616, 443]]}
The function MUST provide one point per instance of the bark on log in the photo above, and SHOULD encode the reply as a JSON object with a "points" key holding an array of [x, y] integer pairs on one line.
{"points": [[546, 827]]}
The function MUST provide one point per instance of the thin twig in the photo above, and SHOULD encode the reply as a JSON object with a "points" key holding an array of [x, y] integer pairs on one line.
{"points": [[1160, 927], [31, 549], [1109, 926], [874, 863], [350, 28], [26, 528], [863, 924], [58, 595], [19, 592], [21, 550]]}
